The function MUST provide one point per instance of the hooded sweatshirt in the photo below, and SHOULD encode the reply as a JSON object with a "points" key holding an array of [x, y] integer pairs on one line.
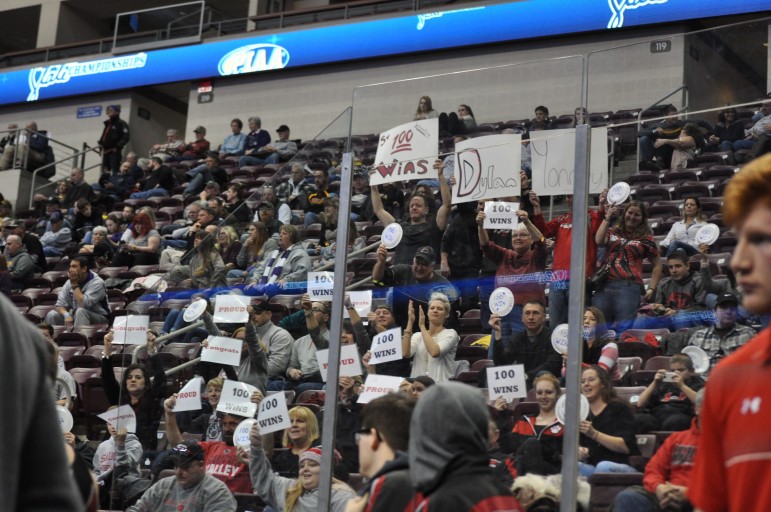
{"points": [[108, 454], [449, 466], [690, 293]]}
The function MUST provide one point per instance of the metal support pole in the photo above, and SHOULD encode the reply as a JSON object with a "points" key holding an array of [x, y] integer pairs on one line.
{"points": [[336, 319], [161, 340], [575, 315]]}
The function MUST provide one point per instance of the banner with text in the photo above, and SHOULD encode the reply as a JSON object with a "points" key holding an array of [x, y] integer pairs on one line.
{"points": [[387, 346], [487, 168], [350, 364], [222, 350], [231, 309], [506, 381], [121, 417], [378, 385], [321, 285], [406, 152], [236, 398], [189, 397], [273, 414], [130, 329], [553, 154]]}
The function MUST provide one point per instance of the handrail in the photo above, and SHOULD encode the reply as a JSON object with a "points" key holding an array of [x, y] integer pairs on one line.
{"points": [[363, 250], [684, 101], [52, 164]]}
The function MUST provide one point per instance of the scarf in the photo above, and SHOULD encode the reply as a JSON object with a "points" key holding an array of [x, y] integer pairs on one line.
{"points": [[274, 267]]}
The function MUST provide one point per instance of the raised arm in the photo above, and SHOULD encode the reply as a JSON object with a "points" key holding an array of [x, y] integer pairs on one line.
{"points": [[483, 238], [377, 207], [173, 434], [378, 269], [443, 214], [535, 233], [602, 233]]}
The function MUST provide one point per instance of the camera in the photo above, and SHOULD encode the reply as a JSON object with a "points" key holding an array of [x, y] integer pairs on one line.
{"points": [[669, 377]]}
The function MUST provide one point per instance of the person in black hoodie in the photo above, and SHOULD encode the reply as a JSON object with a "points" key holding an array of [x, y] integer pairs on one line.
{"points": [[159, 184], [449, 466], [114, 137]]}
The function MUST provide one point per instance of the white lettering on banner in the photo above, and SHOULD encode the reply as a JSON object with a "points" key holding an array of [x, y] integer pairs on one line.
{"points": [[406, 152], [121, 417], [617, 8], [506, 381], [130, 329], [253, 58], [422, 18], [236, 398], [61, 73], [223, 350], [499, 214], [487, 168], [231, 308], [321, 285], [350, 364], [273, 414], [361, 301], [552, 154], [378, 385], [189, 397], [387, 346]]}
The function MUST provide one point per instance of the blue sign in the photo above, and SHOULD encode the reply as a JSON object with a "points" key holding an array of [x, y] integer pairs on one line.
{"points": [[352, 41], [84, 112]]}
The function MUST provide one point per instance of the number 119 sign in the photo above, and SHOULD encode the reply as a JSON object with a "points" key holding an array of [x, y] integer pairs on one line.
{"points": [[506, 381]]}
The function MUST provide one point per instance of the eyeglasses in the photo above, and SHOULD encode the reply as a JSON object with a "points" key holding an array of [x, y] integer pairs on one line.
{"points": [[363, 432], [319, 310]]}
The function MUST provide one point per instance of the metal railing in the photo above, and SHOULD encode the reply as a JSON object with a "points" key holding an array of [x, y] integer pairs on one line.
{"points": [[73, 158], [683, 89]]}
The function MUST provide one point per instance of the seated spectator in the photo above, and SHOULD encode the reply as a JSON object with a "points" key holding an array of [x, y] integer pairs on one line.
{"points": [[57, 237], [727, 131], [381, 320], [420, 229], [425, 110], [530, 347], [20, 264], [236, 209], [667, 474], [355, 243], [257, 246], [277, 341], [288, 494], [294, 191], [667, 403], [684, 147], [80, 189], [289, 264], [758, 131], [6, 283], [206, 268], [196, 149], [466, 116], [526, 258], [448, 461], [83, 298], [542, 118], [136, 390], [64, 388], [328, 220], [210, 191], [30, 149], [459, 123], [9, 140], [114, 230], [682, 234], [607, 435], [255, 140], [100, 251], [87, 217], [31, 243], [205, 173], [301, 436], [143, 245], [160, 183], [118, 456], [317, 198], [656, 157], [726, 335], [233, 145], [281, 150], [169, 150], [205, 421], [599, 344], [433, 347], [117, 187], [191, 488]]}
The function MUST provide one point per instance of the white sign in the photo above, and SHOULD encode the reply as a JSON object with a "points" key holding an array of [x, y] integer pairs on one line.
{"points": [[231, 309], [121, 417], [506, 381], [236, 398], [362, 302], [189, 397], [487, 168], [559, 338], [501, 215], [130, 330], [321, 286], [552, 154], [350, 366], [222, 350], [407, 152], [378, 385], [273, 414], [241, 435], [65, 418], [387, 346]]}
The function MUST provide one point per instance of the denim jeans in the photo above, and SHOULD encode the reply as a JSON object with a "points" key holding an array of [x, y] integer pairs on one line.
{"points": [[604, 466], [635, 499], [618, 301], [559, 302], [253, 160], [153, 192], [677, 244]]}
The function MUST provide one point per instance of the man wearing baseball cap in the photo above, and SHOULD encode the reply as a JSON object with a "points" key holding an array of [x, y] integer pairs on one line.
{"points": [[198, 148], [190, 489], [726, 335], [281, 150]]}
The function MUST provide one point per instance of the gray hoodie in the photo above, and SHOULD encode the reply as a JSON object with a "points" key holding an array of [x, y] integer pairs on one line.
{"points": [[20, 265], [108, 454]]}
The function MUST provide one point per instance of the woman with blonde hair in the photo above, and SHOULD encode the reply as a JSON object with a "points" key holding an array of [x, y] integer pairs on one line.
{"points": [[425, 109], [300, 436], [228, 245], [434, 346]]}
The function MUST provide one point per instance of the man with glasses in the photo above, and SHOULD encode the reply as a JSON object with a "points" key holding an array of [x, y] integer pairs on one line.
{"points": [[190, 489]]}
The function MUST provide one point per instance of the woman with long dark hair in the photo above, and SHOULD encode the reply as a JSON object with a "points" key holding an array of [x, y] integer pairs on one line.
{"points": [[682, 234], [257, 246]]}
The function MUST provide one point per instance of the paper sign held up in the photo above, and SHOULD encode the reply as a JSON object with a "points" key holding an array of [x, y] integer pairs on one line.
{"points": [[231, 308], [189, 397], [506, 381], [501, 215], [273, 414], [378, 385], [552, 154], [130, 329], [487, 168], [321, 285], [406, 152], [386, 346], [236, 398], [350, 364], [222, 350], [362, 302], [121, 417]]}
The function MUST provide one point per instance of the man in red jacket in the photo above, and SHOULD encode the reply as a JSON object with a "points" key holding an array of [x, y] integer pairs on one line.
{"points": [[667, 474]]}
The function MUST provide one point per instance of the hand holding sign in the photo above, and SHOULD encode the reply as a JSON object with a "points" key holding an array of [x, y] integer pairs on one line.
{"points": [[273, 415], [321, 286], [121, 417], [378, 385], [387, 346], [350, 365], [499, 214], [189, 397], [131, 329], [506, 381]]}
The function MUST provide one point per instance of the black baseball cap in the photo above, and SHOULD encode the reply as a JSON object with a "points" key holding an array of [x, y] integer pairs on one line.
{"points": [[727, 298], [426, 254], [186, 452], [260, 304], [282, 128]]}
